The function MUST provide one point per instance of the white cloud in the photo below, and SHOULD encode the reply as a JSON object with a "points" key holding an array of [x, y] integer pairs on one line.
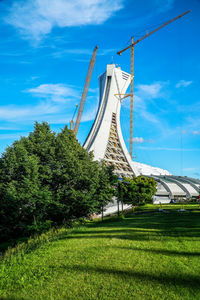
{"points": [[56, 106], [141, 140], [138, 103], [138, 140], [56, 92], [183, 83], [196, 132], [55, 102], [150, 90], [36, 18], [150, 117], [53, 113], [142, 93], [14, 113], [143, 110]]}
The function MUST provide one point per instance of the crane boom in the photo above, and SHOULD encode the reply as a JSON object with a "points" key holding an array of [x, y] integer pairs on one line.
{"points": [[132, 73], [72, 120], [85, 90], [150, 33]]}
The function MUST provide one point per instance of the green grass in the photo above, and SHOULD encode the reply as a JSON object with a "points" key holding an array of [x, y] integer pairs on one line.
{"points": [[176, 206], [144, 256]]}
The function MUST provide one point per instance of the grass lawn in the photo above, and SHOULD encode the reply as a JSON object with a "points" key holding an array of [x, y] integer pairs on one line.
{"points": [[144, 256], [177, 206]]}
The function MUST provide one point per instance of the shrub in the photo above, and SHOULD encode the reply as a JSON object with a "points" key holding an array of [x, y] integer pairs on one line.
{"points": [[48, 179]]}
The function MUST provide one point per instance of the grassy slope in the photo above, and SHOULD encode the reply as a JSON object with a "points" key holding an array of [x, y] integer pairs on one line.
{"points": [[149, 256]]}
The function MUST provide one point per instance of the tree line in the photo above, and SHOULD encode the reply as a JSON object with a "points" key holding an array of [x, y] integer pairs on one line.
{"points": [[49, 179]]}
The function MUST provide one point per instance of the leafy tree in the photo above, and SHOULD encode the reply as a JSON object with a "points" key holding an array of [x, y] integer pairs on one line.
{"points": [[106, 186], [49, 179], [137, 190]]}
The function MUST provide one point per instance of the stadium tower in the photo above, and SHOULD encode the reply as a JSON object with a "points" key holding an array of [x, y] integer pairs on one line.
{"points": [[105, 137], [106, 141]]}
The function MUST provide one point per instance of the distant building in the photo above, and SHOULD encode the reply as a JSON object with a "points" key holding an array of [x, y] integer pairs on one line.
{"points": [[106, 141]]}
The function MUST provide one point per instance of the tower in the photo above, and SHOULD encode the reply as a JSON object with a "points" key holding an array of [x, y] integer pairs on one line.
{"points": [[106, 141], [105, 137]]}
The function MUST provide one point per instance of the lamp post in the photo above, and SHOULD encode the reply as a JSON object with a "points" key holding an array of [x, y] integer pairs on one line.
{"points": [[120, 196]]}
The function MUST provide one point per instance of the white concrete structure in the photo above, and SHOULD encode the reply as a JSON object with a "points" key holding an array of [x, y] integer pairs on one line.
{"points": [[105, 137], [106, 141], [175, 187], [147, 170]]}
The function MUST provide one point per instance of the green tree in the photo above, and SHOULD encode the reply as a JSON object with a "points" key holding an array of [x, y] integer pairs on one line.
{"points": [[48, 178], [138, 190], [106, 187]]}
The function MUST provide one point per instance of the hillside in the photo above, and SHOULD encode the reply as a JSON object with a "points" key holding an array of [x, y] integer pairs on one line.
{"points": [[144, 256]]}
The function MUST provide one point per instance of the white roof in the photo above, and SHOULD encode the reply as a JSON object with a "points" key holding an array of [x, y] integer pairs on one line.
{"points": [[144, 169]]}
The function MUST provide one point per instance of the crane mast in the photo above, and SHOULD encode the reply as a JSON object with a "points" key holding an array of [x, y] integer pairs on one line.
{"points": [[132, 73], [85, 91], [131, 101]]}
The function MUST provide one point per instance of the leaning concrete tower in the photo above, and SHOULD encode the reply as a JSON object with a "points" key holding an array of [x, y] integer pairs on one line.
{"points": [[105, 137]]}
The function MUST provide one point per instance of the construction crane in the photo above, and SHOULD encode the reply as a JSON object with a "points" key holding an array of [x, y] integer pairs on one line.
{"points": [[132, 73], [72, 120], [85, 91]]}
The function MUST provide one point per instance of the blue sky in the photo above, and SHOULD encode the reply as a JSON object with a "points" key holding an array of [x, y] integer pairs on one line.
{"points": [[45, 49]]}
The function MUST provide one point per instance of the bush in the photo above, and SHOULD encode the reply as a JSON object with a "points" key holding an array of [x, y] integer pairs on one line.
{"points": [[48, 179], [137, 190]]}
